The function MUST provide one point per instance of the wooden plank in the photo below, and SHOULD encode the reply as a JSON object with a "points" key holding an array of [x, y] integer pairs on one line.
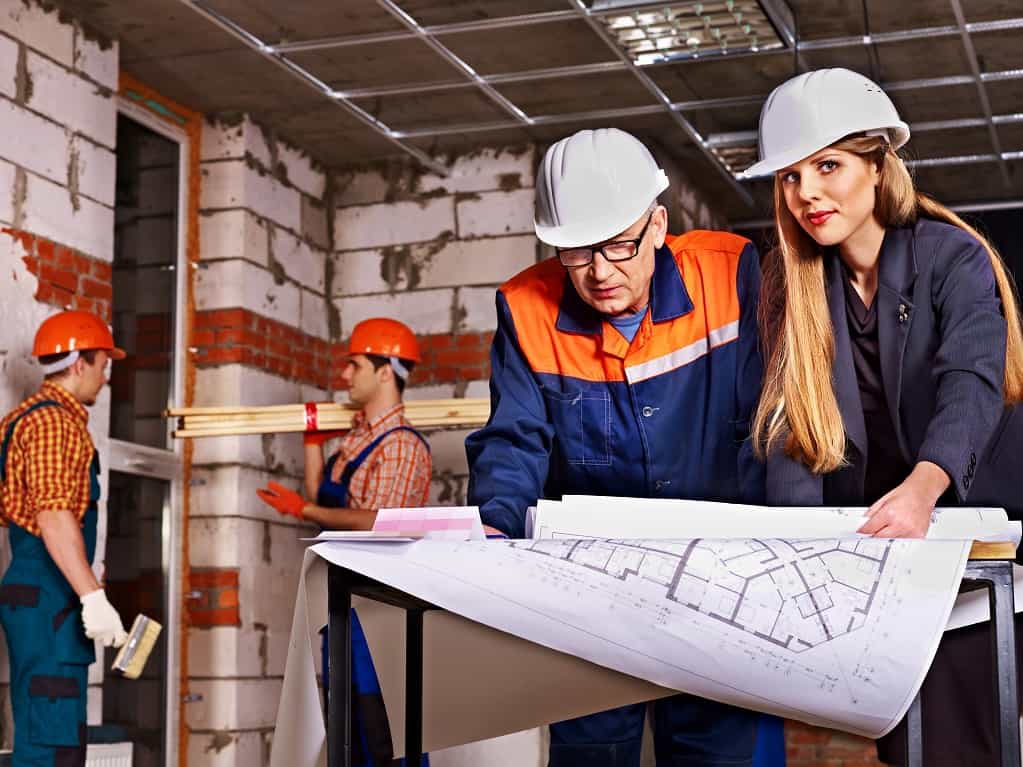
{"points": [[995, 550]]}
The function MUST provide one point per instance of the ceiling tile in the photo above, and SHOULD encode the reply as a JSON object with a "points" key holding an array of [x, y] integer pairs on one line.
{"points": [[388, 63], [458, 107], [273, 21], [723, 77], [434, 12], [538, 46], [611, 90]]}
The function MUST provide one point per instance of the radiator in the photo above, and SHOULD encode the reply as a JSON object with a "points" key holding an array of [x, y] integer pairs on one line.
{"points": [[108, 755]]}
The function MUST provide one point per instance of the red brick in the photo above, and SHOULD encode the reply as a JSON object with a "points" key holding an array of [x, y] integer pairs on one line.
{"points": [[31, 263], [229, 616], [220, 356], [203, 337], [59, 277], [231, 336], [101, 270], [441, 341], [213, 578], [96, 289], [227, 597], [27, 240], [45, 251], [471, 340], [462, 357]]}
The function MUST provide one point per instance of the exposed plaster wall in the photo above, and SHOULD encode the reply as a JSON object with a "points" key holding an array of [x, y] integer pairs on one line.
{"points": [[58, 119]]}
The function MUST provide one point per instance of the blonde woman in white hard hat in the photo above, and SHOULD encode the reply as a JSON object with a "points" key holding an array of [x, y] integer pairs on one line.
{"points": [[894, 353], [627, 365]]}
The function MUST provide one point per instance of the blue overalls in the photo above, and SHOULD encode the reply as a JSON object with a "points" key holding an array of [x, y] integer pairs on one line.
{"points": [[371, 742], [46, 643]]}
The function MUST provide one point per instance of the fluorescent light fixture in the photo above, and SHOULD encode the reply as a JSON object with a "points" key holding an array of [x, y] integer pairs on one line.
{"points": [[687, 30]]}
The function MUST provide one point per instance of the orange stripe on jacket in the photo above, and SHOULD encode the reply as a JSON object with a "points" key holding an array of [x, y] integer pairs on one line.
{"points": [[708, 262]]}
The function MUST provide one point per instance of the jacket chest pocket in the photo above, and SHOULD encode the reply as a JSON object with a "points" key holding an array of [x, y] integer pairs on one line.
{"points": [[582, 425]]}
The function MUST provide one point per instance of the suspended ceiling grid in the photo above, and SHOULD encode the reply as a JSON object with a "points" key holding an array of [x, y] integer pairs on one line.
{"points": [[362, 80]]}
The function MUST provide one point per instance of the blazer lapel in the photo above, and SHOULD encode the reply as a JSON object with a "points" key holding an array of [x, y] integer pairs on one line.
{"points": [[897, 273], [847, 390]]}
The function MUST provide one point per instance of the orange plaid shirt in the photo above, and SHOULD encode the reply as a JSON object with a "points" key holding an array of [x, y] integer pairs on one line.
{"points": [[48, 459], [396, 474]]}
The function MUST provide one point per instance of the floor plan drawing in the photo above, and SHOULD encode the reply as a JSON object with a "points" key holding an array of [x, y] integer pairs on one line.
{"points": [[796, 594]]}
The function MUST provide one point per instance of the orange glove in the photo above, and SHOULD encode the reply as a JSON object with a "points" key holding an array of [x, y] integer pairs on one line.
{"points": [[284, 500], [319, 437]]}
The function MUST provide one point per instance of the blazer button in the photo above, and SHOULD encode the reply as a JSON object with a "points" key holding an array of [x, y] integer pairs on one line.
{"points": [[647, 411], [966, 481]]}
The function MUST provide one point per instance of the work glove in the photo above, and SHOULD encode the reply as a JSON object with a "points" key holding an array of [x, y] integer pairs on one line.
{"points": [[101, 619], [285, 501], [319, 437]]}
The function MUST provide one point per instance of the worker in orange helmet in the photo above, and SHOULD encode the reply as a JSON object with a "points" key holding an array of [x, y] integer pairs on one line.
{"points": [[382, 462], [52, 607]]}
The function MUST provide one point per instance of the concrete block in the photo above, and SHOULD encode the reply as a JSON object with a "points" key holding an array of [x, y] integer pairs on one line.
{"points": [[314, 315], [232, 704], [233, 184], [485, 170], [244, 386], [225, 234], [302, 263], [448, 490], [429, 391], [314, 223], [8, 66], [447, 448], [96, 62], [34, 143], [361, 187], [374, 226], [224, 651], [69, 100], [7, 174], [223, 141], [425, 311], [433, 265], [273, 581], [490, 214], [39, 29], [478, 310], [234, 283], [227, 749], [302, 174], [48, 212], [230, 491], [97, 170]]}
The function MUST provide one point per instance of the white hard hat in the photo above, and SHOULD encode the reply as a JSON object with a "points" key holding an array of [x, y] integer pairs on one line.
{"points": [[815, 109], [593, 185]]}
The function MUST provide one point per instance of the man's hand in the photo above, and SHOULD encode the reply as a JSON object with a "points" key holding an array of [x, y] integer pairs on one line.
{"points": [[905, 511], [319, 437], [285, 501], [101, 619]]}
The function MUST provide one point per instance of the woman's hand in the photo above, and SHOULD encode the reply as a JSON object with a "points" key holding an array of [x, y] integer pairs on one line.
{"points": [[905, 511]]}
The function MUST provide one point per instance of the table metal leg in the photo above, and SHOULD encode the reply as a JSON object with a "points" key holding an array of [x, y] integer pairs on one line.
{"points": [[998, 576], [914, 734], [339, 697], [413, 687]]}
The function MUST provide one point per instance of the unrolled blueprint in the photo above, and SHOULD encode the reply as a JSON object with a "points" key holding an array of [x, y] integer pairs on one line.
{"points": [[834, 631]]}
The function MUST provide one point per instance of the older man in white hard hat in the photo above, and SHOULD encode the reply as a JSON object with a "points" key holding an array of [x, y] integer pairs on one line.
{"points": [[627, 366]]}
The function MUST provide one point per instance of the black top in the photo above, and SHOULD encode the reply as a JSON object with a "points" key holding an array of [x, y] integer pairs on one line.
{"points": [[886, 468]]}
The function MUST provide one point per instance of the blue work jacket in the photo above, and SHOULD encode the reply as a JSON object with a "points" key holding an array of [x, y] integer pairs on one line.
{"points": [[578, 409]]}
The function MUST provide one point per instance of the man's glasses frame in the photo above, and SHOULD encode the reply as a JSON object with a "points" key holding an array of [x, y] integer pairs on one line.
{"points": [[615, 252]]}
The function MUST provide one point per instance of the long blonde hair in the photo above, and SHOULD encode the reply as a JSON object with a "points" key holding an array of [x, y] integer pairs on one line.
{"points": [[798, 403]]}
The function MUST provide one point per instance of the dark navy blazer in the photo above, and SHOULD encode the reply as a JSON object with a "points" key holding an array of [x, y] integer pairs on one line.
{"points": [[942, 338]]}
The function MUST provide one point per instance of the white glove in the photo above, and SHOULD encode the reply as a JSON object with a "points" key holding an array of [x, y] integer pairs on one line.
{"points": [[101, 619]]}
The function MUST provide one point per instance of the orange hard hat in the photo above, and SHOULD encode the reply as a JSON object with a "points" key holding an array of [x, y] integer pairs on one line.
{"points": [[74, 331], [384, 337]]}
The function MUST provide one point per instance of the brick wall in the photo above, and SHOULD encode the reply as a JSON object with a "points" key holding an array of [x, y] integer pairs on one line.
{"points": [[56, 210], [807, 746]]}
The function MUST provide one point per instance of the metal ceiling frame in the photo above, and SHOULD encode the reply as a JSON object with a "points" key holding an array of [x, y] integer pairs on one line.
{"points": [[662, 99], [445, 53], [253, 42], [776, 10], [985, 103]]}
